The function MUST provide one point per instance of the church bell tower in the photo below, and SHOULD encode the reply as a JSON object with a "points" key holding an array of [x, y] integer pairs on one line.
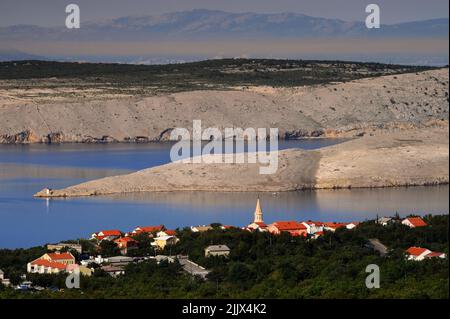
{"points": [[258, 213]]}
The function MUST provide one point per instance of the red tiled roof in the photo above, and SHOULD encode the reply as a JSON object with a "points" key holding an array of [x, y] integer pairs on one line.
{"points": [[46, 263], [318, 223], [149, 229], [434, 254], [113, 232], [261, 224], [289, 225], [416, 251], [170, 232], [334, 225], [125, 241], [416, 221], [60, 256]]}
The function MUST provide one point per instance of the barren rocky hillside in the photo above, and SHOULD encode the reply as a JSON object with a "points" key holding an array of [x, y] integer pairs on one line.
{"points": [[385, 159], [301, 100]]}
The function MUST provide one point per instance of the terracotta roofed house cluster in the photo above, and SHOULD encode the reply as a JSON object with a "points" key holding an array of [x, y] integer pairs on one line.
{"points": [[148, 229], [51, 263], [292, 227], [107, 234], [419, 253], [56, 262], [312, 229], [128, 241]]}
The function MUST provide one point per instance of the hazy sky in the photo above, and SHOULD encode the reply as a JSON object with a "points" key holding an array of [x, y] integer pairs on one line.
{"points": [[51, 12]]}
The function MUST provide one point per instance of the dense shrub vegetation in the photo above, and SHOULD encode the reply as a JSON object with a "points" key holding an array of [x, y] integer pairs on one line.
{"points": [[267, 266], [197, 75]]}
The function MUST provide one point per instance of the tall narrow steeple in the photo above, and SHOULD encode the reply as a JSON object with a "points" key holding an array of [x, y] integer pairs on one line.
{"points": [[258, 213]]}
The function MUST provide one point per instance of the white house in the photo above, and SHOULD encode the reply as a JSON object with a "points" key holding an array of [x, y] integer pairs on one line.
{"points": [[313, 227], [199, 229], [4, 281], [333, 226], [351, 225], [162, 242], [113, 271], [384, 221], [107, 235], [257, 226], [217, 250], [97, 260], [150, 230], [43, 266], [51, 263], [414, 222], [167, 232], [417, 253], [436, 254]]}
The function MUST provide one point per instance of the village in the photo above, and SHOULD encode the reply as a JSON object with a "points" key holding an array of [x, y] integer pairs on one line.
{"points": [[70, 258]]}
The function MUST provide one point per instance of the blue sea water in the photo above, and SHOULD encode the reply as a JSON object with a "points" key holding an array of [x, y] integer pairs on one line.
{"points": [[26, 221]]}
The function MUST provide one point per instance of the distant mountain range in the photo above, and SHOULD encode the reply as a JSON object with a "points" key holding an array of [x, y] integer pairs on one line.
{"points": [[218, 27], [207, 24], [14, 55]]}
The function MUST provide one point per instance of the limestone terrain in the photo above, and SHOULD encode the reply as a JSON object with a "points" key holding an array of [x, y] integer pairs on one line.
{"points": [[397, 115], [53, 110], [399, 157]]}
